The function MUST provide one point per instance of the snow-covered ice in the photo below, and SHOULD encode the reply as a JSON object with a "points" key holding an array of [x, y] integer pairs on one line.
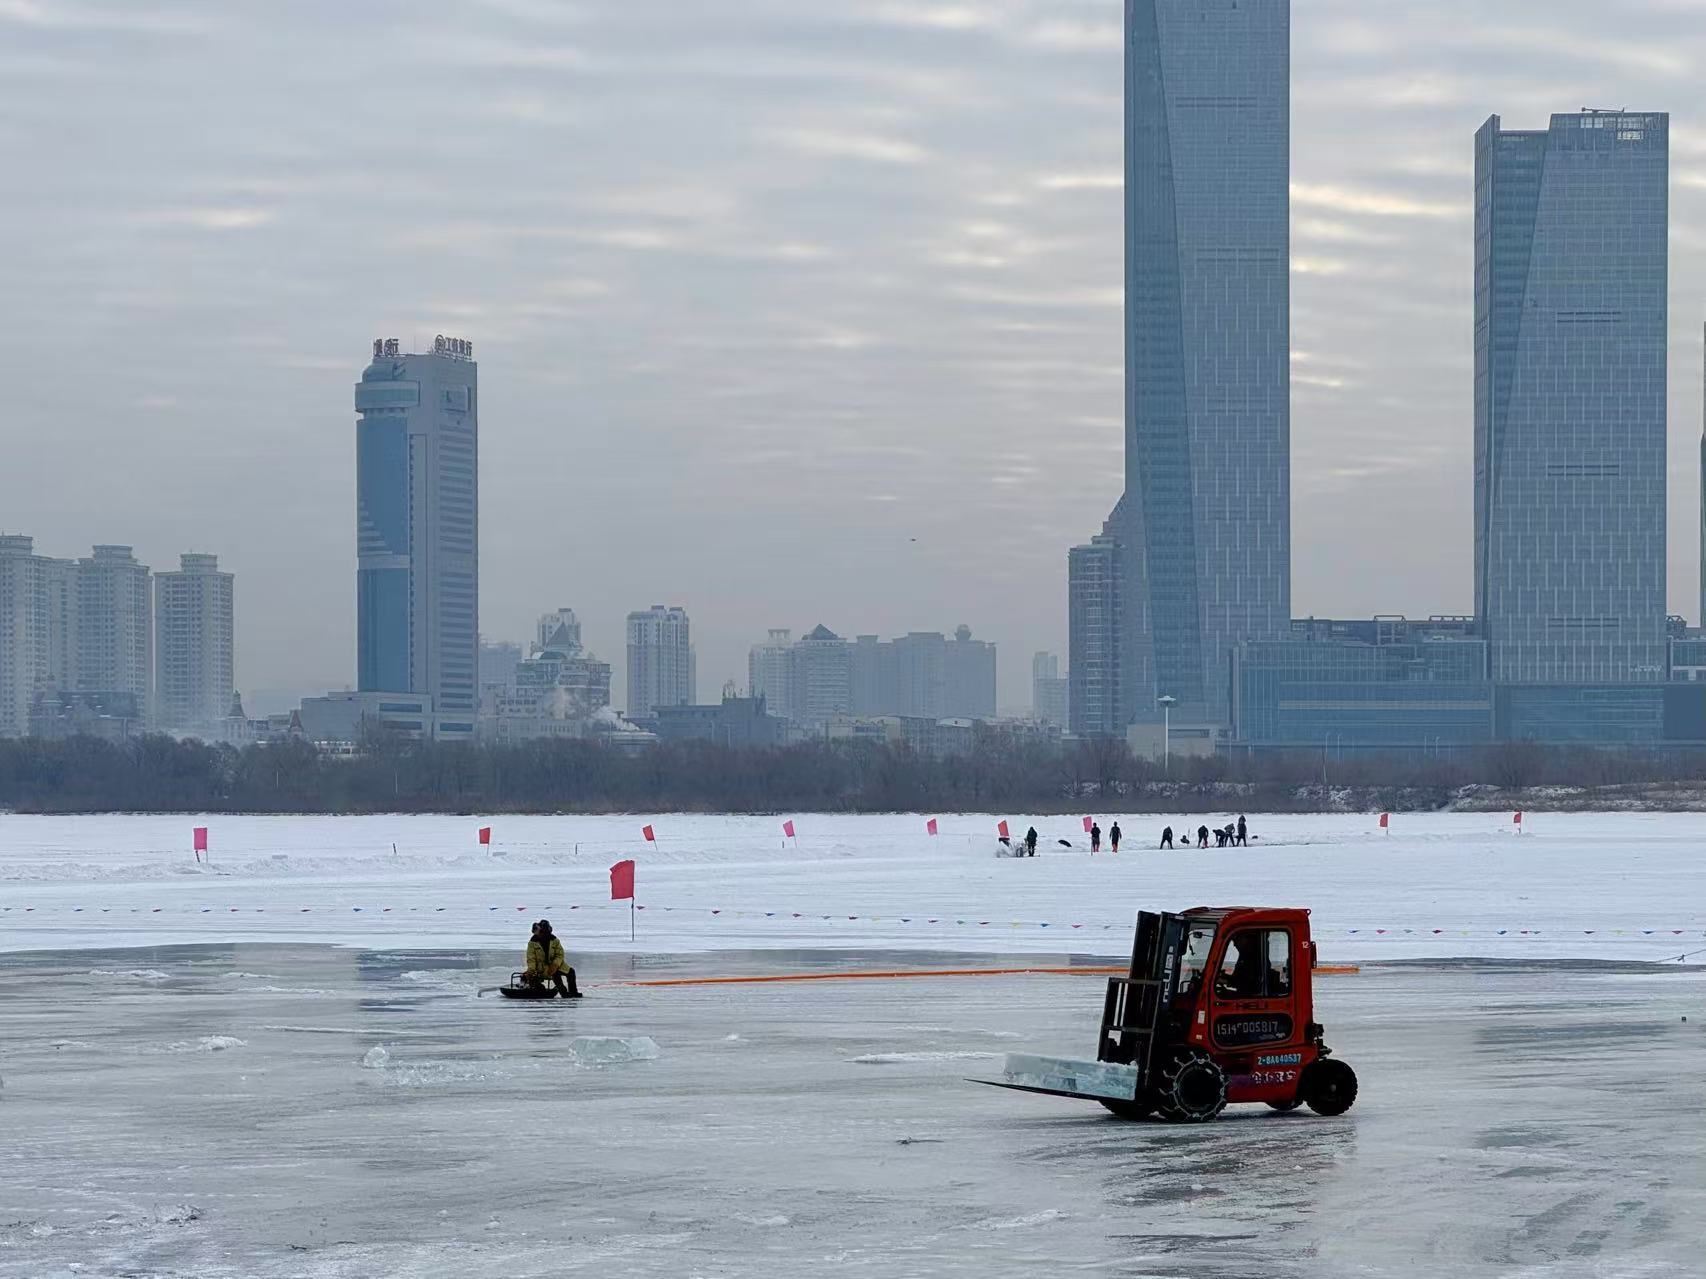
{"points": [[1625, 885]]}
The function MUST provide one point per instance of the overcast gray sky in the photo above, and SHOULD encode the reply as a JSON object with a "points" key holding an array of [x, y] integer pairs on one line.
{"points": [[786, 310]]}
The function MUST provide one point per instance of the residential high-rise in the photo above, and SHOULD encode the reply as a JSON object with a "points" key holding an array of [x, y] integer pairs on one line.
{"points": [[1048, 690], [770, 673], [660, 660], [1571, 233], [1094, 620], [417, 501], [968, 672], [822, 678], [115, 626], [38, 629], [194, 677], [1207, 530]]}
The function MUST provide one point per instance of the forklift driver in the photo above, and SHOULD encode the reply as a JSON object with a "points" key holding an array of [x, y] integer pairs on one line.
{"points": [[1241, 967]]}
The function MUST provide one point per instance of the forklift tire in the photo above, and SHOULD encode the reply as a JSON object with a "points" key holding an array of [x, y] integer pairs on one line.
{"points": [[1191, 1088], [1293, 1104], [1329, 1086], [1132, 1110]]}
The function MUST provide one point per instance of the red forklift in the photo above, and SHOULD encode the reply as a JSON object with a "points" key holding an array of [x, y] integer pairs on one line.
{"points": [[1218, 1007]]}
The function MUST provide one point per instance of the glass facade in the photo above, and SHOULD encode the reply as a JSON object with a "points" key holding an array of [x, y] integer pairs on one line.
{"points": [[1093, 624], [417, 539], [1419, 695], [1207, 520], [1570, 329]]}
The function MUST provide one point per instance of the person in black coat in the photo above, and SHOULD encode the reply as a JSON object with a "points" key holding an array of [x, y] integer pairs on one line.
{"points": [[1167, 837]]}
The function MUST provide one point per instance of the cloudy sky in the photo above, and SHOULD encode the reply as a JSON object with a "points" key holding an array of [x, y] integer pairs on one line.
{"points": [[787, 310]]}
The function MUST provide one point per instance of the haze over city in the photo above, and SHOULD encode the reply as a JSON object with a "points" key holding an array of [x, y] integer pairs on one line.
{"points": [[843, 346]]}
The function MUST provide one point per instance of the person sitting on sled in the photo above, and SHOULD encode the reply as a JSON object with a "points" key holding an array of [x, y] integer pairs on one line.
{"points": [[546, 962]]}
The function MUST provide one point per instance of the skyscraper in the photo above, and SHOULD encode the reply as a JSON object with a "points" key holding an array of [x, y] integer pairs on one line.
{"points": [[660, 660], [1207, 521], [417, 500], [194, 679], [1094, 613], [1570, 322], [770, 672], [115, 626]]}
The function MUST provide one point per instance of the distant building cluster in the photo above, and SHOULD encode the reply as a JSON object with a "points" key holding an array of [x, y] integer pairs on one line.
{"points": [[821, 682], [1179, 612], [102, 646]]}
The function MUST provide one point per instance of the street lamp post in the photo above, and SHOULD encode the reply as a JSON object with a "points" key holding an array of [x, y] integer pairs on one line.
{"points": [[1166, 704]]}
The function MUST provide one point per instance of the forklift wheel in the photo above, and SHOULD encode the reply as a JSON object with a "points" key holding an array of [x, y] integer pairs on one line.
{"points": [[1129, 1109], [1191, 1089], [1293, 1104], [1329, 1086]]}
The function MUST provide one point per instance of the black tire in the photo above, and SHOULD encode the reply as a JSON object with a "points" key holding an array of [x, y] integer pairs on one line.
{"points": [[1130, 1110], [1329, 1086], [1293, 1104], [1191, 1088]]}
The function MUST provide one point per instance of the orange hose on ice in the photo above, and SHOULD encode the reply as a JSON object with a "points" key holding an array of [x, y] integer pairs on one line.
{"points": [[891, 974]]}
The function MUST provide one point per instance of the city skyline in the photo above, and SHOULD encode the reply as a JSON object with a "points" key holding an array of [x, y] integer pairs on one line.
{"points": [[954, 347]]}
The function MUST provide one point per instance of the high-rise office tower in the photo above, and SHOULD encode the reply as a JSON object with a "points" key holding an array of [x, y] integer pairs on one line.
{"points": [[194, 679], [660, 660], [1207, 534], [417, 498], [1094, 622], [1570, 321], [115, 626], [968, 676]]}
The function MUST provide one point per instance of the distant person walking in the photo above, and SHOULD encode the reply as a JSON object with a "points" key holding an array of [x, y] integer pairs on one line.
{"points": [[1031, 842], [1243, 832], [1167, 837], [1096, 837], [1114, 836]]}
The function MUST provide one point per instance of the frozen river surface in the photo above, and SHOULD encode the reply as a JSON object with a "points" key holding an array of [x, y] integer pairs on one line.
{"points": [[251, 1110]]}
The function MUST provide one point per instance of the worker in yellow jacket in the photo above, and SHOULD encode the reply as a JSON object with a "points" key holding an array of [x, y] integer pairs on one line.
{"points": [[546, 962]]}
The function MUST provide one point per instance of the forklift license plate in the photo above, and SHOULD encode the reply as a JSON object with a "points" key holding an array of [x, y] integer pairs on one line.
{"points": [[1235, 1031]]}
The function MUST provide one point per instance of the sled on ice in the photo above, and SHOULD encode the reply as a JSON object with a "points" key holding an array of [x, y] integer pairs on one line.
{"points": [[1217, 1008], [520, 988]]}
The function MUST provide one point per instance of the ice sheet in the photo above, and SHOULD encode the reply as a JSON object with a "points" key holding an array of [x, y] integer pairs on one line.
{"points": [[1514, 1120], [1626, 885]]}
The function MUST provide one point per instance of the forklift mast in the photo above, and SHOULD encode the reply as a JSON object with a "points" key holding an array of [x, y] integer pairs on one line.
{"points": [[1136, 1010]]}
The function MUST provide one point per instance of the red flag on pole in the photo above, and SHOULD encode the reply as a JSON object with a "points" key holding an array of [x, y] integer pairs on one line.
{"points": [[201, 839], [647, 832], [1001, 830], [1087, 825], [1516, 818], [622, 881], [1385, 818], [485, 834], [788, 828], [930, 827]]}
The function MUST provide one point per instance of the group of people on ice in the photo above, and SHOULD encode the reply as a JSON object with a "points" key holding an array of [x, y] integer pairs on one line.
{"points": [[1232, 835]]}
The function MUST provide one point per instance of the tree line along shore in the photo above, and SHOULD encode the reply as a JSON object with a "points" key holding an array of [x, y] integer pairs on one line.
{"points": [[160, 774]]}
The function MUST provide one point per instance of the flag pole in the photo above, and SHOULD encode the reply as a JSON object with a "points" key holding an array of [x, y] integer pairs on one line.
{"points": [[630, 919]]}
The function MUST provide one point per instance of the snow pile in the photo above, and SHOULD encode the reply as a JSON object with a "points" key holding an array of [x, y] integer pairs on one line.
{"points": [[376, 1058], [206, 1044]]}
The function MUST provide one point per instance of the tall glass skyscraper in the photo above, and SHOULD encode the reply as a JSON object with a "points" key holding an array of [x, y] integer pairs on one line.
{"points": [[1206, 545], [417, 512], [1570, 325]]}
